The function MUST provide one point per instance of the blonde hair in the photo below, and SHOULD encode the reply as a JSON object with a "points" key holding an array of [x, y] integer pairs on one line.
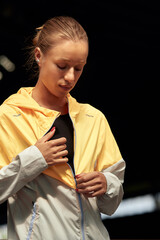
{"points": [[51, 32]]}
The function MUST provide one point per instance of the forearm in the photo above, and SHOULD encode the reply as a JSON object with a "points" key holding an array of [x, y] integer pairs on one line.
{"points": [[23, 169], [109, 202]]}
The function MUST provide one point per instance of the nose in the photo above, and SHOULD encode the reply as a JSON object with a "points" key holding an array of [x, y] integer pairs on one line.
{"points": [[70, 75]]}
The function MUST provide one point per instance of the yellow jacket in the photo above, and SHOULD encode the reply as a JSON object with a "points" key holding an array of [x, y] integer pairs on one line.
{"points": [[23, 122]]}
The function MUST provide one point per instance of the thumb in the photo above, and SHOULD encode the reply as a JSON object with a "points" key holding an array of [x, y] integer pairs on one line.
{"points": [[49, 135]]}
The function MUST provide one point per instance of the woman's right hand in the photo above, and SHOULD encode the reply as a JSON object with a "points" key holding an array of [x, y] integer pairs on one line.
{"points": [[53, 151]]}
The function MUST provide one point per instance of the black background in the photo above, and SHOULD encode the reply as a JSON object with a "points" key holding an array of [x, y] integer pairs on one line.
{"points": [[120, 79]]}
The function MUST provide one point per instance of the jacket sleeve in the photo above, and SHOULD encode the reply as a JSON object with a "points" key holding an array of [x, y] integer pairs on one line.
{"points": [[111, 164], [24, 168], [109, 202]]}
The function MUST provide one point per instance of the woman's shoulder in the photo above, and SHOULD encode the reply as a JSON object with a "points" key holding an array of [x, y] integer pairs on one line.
{"points": [[88, 109], [9, 105], [6, 111]]}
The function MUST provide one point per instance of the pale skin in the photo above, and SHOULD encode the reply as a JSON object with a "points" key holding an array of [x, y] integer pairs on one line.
{"points": [[59, 70]]}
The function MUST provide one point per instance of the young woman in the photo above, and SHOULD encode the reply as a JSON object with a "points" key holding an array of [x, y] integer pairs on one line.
{"points": [[57, 186]]}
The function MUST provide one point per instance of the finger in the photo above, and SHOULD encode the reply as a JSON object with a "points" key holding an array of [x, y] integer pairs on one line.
{"points": [[58, 161], [60, 148], [84, 185], [62, 160], [89, 189], [92, 192], [49, 135], [58, 141], [97, 193], [60, 154], [85, 177]]}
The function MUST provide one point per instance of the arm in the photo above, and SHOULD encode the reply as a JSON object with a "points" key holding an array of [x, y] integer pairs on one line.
{"points": [[109, 202], [106, 186], [105, 183], [30, 163], [23, 169]]}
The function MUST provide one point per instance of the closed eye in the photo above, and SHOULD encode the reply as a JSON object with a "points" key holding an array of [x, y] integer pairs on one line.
{"points": [[78, 69], [61, 67], [64, 67]]}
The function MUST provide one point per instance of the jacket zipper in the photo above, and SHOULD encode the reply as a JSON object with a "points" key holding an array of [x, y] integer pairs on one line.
{"points": [[80, 204], [79, 196]]}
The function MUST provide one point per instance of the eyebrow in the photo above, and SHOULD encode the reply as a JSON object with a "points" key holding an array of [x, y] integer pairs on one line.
{"points": [[68, 60]]}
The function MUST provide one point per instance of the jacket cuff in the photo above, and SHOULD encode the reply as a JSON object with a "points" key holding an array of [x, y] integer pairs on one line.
{"points": [[109, 202], [32, 160]]}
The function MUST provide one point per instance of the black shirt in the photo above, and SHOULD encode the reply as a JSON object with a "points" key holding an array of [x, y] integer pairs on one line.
{"points": [[64, 128]]}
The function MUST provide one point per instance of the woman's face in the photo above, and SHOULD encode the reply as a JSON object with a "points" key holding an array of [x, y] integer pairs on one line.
{"points": [[61, 67]]}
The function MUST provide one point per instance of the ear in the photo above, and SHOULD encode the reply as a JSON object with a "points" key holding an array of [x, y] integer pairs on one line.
{"points": [[38, 55]]}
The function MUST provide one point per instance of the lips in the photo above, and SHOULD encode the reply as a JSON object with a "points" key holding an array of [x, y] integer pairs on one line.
{"points": [[66, 87]]}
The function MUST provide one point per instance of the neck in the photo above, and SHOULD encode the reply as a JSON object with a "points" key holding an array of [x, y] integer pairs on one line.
{"points": [[47, 100]]}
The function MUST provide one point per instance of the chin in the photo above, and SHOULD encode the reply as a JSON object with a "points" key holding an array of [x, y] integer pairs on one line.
{"points": [[61, 94]]}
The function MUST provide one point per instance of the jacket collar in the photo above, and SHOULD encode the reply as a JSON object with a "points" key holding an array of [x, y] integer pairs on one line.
{"points": [[23, 99], [73, 105]]}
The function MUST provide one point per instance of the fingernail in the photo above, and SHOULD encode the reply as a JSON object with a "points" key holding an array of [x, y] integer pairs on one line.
{"points": [[76, 190], [52, 129], [77, 176]]}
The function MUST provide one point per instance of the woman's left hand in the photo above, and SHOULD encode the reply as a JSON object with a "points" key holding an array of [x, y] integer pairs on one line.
{"points": [[92, 184]]}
